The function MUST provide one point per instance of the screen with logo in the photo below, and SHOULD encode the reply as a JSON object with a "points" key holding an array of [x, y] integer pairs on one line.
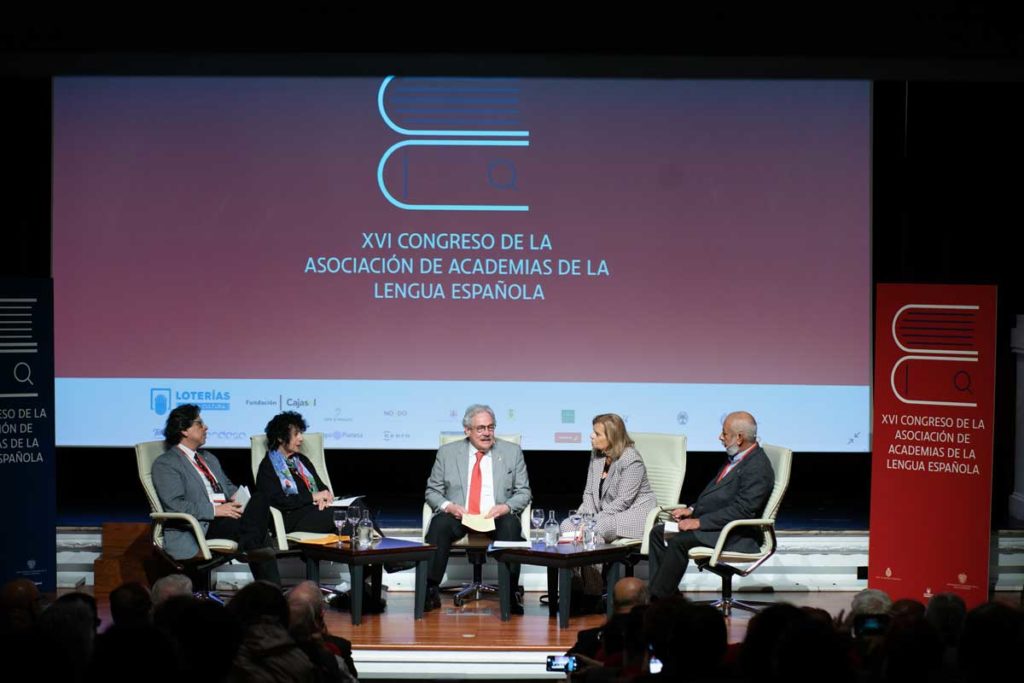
{"points": [[379, 253]]}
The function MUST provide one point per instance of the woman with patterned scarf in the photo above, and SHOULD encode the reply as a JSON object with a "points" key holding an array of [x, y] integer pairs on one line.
{"points": [[290, 481]]}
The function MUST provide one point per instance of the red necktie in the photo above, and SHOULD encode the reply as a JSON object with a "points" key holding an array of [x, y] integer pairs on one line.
{"points": [[475, 484], [214, 484]]}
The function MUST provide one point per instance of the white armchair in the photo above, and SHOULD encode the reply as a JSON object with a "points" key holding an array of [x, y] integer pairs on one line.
{"points": [[213, 552], [312, 448], [475, 544], [720, 561], [664, 458]]}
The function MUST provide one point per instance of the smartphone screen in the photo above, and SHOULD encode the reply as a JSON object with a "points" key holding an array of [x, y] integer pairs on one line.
{"points": [[565, 663], [869, 624]]}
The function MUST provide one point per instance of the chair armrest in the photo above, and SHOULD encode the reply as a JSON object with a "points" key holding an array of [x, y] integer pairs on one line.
{"points": [[428, 514], [658, 511], [525, 522], [277, 521], [723, 537], [662, 512], [197, 530]]}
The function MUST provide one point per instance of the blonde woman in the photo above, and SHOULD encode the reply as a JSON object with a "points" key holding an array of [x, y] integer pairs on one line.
{"points": [[618, 493]]}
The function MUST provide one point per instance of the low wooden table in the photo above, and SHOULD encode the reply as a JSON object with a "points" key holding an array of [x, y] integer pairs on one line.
{"points": [[381, 551], [560, 560]]}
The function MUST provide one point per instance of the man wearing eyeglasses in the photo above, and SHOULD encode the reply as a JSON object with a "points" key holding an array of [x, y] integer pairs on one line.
{"points": [[477, 475], [739, 491], [188, 479]]}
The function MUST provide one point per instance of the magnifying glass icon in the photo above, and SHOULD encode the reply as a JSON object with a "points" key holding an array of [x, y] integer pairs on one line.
{"points": [[25, 374], [962, 381]]}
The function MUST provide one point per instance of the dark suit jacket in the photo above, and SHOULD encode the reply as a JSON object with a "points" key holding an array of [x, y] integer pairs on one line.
{"points": [[587, 642], [741, 494], [292, 507]]}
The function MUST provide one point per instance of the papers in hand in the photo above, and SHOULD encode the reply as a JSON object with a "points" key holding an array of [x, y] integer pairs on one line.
{"points": [[478, 523], [242, 496], [344, 502]]}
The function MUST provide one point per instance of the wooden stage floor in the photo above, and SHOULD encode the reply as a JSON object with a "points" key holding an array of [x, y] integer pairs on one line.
{"points": [[478, 625]]}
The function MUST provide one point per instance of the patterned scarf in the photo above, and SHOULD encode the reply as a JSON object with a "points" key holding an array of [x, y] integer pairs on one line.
{"points": [[284, 473]]}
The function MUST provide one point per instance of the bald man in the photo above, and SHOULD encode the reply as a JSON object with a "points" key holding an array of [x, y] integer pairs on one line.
{"points": [[739, 490], [627, 593]]}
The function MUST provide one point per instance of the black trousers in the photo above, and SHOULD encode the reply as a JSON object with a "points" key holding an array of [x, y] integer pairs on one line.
{"points": [[250, 531], [668, 564], [309, 518], [445, 529]]}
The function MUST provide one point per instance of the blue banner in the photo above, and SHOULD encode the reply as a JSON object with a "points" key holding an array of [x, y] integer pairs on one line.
{"points": [[28, 476], [550, 416]]}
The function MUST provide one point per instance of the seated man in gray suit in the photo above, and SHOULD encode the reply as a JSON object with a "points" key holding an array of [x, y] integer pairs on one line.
{"points": [[190, 480], [739, 491], [477, 475]]}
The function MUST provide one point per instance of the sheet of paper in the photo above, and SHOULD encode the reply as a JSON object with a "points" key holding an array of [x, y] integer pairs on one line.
{"points": [[242, 496], [316, 538], [345, 502], [478, 523]]}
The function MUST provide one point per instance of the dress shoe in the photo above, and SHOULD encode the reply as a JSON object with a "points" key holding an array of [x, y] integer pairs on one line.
{"points": [[516, 604], [432, 600]]}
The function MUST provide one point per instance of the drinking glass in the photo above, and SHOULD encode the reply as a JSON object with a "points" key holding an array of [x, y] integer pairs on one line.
{"points": [[340, 517], [537, 518], [575, 517], [355, 514]]}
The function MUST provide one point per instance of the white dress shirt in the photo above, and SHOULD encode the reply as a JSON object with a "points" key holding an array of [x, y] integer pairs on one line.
{"points": [[486, 483]]}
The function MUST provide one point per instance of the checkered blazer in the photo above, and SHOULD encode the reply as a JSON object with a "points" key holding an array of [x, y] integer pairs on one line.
{"points": [[627, 498]]}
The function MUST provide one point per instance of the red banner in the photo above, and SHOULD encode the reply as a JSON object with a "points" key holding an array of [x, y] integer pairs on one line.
{"points": [[931, 475]]}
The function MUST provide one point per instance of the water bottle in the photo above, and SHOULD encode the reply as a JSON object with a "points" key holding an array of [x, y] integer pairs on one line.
{"points": [[590, 533], [365, 532], [551, 530]]}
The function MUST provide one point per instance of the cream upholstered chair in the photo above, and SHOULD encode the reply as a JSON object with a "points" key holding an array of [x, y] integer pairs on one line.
{"points": [[213, 552], [312, 448], [476, 544], [715, 559], [664, 457]]}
